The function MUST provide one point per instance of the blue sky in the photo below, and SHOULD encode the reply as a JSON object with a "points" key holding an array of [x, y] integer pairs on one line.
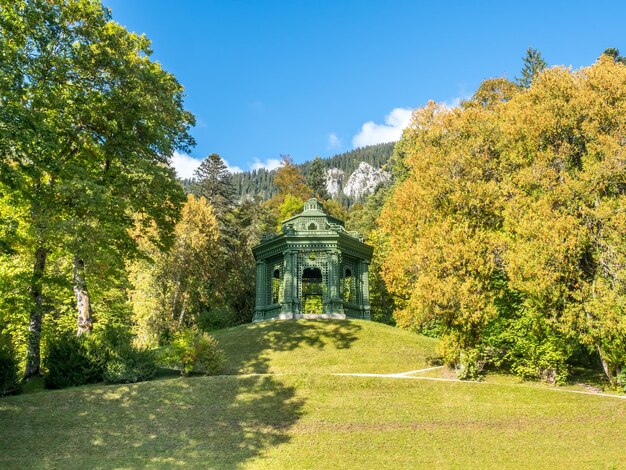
{"points": [[308, 78]]}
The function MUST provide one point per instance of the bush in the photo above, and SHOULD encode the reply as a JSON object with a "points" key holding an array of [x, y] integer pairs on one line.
{"points": [[468, 362], [195, 352], [106, 354], [530, 348], [130, 365], [10, 381], [216, 318], [471, 364], [621, 380], [73, 360]]}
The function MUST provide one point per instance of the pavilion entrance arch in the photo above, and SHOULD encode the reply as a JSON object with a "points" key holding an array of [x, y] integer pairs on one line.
{"points": [[313, 293]]}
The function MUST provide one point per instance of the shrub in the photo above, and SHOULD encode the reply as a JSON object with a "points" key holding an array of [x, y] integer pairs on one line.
{"points": [[10, 381], [471, 364], [216, 318], [130, 365], [106, 354], [621, 379], [73, 360], [530, 348], [195, 352]]}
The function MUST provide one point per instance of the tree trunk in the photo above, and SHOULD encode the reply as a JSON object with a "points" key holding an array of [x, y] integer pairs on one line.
{"points": [[83, 301], [33, 354], [605, 365]]}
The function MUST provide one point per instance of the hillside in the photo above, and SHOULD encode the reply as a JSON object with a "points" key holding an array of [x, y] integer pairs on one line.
{"points": [[323, 347], [339, 169], [295, 413]]}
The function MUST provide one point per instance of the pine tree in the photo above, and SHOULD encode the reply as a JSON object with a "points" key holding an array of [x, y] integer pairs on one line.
{"points": [[213, 181], [614, 53], [317, 179], [533, 64]]}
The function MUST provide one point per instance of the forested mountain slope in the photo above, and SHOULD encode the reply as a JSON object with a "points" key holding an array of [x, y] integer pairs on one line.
{"points": [[339, 169]]}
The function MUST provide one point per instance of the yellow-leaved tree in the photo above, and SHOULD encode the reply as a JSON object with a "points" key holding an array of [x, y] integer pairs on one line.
{"points": [[507, 224], [181, 287]]}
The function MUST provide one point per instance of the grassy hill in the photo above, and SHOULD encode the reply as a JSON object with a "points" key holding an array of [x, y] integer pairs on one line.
{"points": [[290, 347], [284, 408]]}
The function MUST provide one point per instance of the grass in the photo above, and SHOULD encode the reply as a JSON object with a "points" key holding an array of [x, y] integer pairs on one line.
{"points": [[297, 415], [294, 347]]}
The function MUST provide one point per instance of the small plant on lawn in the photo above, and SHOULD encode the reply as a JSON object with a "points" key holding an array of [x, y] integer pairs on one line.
{"points": [[471, 365], [10, 381], [195, 352]]}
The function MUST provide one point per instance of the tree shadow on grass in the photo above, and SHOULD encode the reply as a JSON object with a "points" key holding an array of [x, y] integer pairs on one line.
{"points": [[247, 348], [209, 422]]}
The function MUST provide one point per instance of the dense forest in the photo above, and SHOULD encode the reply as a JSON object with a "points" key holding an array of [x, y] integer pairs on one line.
{"points": [[259, 183], [501, 233]]}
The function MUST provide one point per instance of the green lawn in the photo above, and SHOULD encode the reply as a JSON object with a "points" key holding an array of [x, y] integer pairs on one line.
{"points": [[301, 416], [326, 347]]}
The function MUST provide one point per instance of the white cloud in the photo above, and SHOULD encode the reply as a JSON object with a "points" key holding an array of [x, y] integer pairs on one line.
{"points": [[334, 142], [453, 103], [184, 164], [269, 164], [456, 102], [372, 133], [232, 169]]}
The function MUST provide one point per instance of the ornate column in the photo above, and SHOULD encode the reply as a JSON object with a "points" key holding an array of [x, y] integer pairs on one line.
{"points": [[287, 304], [261, 289], [365, 289], [336, 304], [333, 274], [295, 300]]}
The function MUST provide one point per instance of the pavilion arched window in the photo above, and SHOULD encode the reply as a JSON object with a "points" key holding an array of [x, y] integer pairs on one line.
{"points": [[276, 286], [349, 286]]}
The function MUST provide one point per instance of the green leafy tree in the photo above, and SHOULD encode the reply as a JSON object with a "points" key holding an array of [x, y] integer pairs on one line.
{"points": [[174, 289], [290, 206], [197, 284], [88, 126], [533, 64]]}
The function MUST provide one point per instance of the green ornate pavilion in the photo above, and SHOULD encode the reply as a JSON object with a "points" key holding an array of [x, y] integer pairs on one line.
{"points": [[313, 269]]}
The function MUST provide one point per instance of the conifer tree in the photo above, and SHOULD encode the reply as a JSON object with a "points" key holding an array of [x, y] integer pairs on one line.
{"points": [[317, 179], [213, 181], [614, 53], [533, 64]]}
